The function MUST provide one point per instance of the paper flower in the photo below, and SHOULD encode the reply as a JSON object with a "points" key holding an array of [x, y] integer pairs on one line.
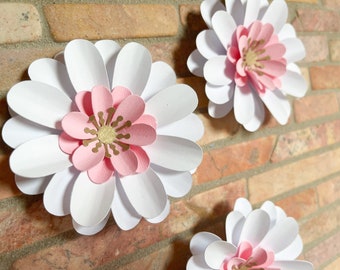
{"points": [[101, 130], [261, 239], [247, 58]]}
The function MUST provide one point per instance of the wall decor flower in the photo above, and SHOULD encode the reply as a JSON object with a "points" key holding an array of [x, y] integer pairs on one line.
{"points": [[247, 57], [102, 129], [260, 239]]}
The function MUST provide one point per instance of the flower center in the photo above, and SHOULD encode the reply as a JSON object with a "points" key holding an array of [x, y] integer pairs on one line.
{"points": [[107, 132], [252, 56], [246, 266]]}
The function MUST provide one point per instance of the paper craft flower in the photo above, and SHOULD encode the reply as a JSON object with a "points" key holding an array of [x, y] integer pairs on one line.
{"points": [[247, 59], [261, 239], [103, 129]]}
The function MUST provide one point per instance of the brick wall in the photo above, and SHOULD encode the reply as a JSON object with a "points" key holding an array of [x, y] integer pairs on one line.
{"points": [[297, 166]]}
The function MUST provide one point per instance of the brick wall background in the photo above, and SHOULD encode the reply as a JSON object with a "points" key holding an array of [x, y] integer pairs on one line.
{"points": [[297, 166]]}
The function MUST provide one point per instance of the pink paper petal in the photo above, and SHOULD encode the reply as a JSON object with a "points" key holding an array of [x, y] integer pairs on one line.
{"points": [[142, 158], [84, 102], [244, 250], [101, 172], [68, 144], [125, 162], [131, 108], [274, 68], [262, 258], [84, 158], [275, 51], [101, 99], [119, 93], [75, 123], [255, 30], [148, 120], [140, 134]]}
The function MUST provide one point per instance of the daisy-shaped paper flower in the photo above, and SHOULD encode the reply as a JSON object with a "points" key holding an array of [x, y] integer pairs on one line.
{"points": [[247, 58], [103, 129], [261, 239]]}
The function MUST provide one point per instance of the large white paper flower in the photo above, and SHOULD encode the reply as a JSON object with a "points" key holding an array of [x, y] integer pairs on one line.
{"points": [[261, 239], [247, 58], [103, 129]]}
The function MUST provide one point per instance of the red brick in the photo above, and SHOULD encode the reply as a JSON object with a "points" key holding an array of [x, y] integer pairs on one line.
{"points": [[333, 4], [334, 47], [8, 187], [285, 178], [302, 141], [315, 106], [329, 191], [313, 20], [324, 251], [234, 159], [325, 77], [316, 48], [334, 265], [191, 18], [99, 21], [301, 204]]}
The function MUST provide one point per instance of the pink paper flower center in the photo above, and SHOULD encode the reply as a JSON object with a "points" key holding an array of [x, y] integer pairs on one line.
{"points": [[107, 132], [258, 56], [247, 258]]}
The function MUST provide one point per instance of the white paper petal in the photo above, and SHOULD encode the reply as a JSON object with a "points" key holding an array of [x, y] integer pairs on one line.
{"points": [[57, 196], [255, 227], [251, 13], [277, 104], [51, 72], [270, 209], [209, 8], [197, 262], [292, 265], [237, 9], [243, 206], [91, 230], [190, 127], [201, 240], [281, 235], [176, 184], [146, 193], [244, 105], [109, 50], [40, 103], [132, 68], [172, 104], [123, 212], [161, 76], [276, 14], [292, 251], [224, 26], [233, 226], [174, 153], [259, 115], [32, 186], [196, 63], [219, 94], [91, 202], [162, 215], [39, 157], [219, 110], [214, 71], [216, 252], [286, 32], [295, 50], [209, 45], [18, 130], [85, 65]]}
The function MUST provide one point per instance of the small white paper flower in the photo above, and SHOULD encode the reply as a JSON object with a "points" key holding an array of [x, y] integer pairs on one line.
{"points": [[247, 58], [261, 239], [103, 130]]}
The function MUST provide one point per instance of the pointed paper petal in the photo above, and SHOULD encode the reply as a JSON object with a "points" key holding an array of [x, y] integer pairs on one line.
{"points": [[174, 153], [201, 240], [146, 193], [161, 76], [209, 45], [215, 71], [85, 65], [209, 8], [39, 157], [195, 63], [123, 212], [32, 186], [276, 14], [224, 26], [90, 202], [176, 184], [217, 252], [57, 196], [132, 68], [32, 100], [51, 72], [244, 104], [219, 110], [190, 127], [90, 230], [162, 215], [295, 50], [18, 130], [166, 107]]}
